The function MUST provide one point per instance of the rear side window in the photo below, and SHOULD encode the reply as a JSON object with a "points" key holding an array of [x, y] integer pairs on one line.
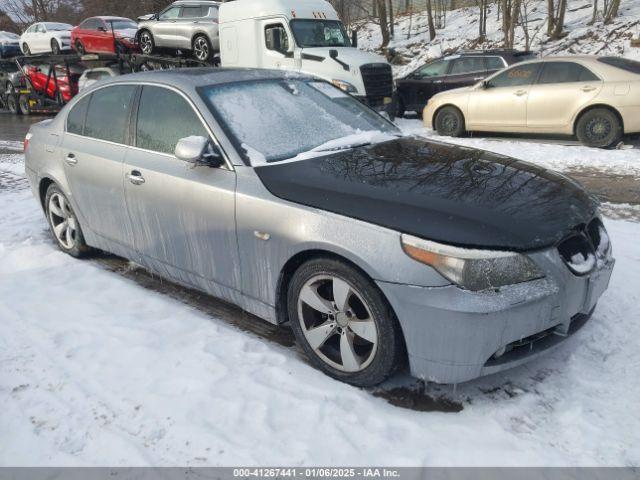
{"points": [[433, 69], [75, 119], [622, 63], [516, 76], [164, 117], [108, 113], [170, 14], [495, 63], [467, 65], [192, 11], [565, 72]]}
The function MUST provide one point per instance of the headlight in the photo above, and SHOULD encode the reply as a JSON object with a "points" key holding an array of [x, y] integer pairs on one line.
{"points": [[346, 86], [469, 268]]}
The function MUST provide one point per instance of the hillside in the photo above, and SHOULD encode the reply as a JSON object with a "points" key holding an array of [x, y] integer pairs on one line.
{"points": [[413, 47]]}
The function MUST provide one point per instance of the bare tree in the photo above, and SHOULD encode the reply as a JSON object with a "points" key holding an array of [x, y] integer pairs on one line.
{"points": [[555, 18], [381, 8], [510, 14], [391, 20], [612, 11], [594, 17], [482, 24], [432, 28]]}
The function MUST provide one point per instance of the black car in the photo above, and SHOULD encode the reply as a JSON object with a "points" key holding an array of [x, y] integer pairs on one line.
{"points": [[453, 71]]}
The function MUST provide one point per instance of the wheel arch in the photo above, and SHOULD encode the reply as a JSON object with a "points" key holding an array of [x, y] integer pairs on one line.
{"points": [[141, 31], [588, 108], [43, 185]]}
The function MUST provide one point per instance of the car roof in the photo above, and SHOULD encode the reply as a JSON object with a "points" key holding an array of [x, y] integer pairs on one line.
{"points": [[107, 17], [192, 78], [196, 2]]}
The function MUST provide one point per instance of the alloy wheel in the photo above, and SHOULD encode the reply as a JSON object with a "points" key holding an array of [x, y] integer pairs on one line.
{"points": [[337, 323], [55, 47], [449, 123], [146, 44], [63, 221], [201, 48]]}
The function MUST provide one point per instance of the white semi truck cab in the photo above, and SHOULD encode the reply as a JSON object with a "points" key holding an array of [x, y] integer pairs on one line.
{"points": [[304, 36]]}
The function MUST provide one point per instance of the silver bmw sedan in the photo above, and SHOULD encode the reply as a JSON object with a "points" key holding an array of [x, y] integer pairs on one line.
{"points": [[282, 194]]}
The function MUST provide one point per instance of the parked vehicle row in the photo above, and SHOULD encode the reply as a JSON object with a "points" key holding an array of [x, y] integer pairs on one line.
{"points": [[596, 99], [453, 71], [488, 262]]}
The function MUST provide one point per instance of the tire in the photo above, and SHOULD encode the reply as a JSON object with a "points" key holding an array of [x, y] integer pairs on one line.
{"points": [[599, 128], [202, 49], [55, 47], [9, 88], [146, 42], [12, 105], [23, 105], [400, 109], [26, 49], [80, 48], [327, 333], [59, 212], [449, 122]]}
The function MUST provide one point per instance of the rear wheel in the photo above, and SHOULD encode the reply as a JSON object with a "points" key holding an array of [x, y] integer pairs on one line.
{"points": [[64, 223], [24, 105], [450, 122], [12, 105], [343, 323], [80, 48], [202, 48], [147, 44], [55, 47], [599, 127]]}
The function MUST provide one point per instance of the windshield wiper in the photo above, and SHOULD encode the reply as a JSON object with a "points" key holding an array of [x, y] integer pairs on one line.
{"points": [[342, 147]]}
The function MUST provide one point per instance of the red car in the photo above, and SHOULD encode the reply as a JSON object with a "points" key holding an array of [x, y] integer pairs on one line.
{"points": [[105, 35], [67, 88]]}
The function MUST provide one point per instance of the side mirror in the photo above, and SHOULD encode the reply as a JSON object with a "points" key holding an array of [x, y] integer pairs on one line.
{"points": [[102, 29], [333, 53], [354, 38], [199, 151]]}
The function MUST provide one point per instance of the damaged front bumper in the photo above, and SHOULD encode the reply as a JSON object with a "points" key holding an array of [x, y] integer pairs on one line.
{"points": [[454, 335]]}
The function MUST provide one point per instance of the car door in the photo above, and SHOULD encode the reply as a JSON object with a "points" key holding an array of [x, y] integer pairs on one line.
{"points": [[183, 215], [501, 103], [562, 89], [416, 89], [278, 52], [87, 32], [93, 150], [103, 41], [465, 71], [39, 44], [185, 25], [164, 29]]}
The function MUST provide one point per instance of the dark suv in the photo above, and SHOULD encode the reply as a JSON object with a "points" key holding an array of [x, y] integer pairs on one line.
{"points": [[453, 71]]}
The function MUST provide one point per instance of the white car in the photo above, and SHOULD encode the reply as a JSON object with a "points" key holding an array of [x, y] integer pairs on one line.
{"points": [[46, 37], [93, 75]]}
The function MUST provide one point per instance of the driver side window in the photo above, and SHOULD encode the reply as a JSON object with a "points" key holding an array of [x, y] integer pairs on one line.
{"points": [[276, 38], [433, 69], [516, 77], [170, 14]]}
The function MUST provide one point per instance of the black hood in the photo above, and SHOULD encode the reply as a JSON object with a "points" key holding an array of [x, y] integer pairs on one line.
{"points": [[441, 192]]}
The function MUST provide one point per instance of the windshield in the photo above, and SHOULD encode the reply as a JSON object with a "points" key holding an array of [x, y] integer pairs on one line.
{"points": [[57, 27], [272, 120], [319, 33], [123, 24]]}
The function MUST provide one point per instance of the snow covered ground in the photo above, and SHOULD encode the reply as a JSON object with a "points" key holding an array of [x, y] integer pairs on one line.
{"points": [[411, 39], [97, 370]]}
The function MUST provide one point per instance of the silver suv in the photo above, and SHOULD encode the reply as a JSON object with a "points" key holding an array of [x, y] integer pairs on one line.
{"points": [[185, 25]]}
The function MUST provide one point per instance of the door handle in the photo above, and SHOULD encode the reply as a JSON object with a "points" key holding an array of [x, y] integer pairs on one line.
{"points": [[437, 81], [588, 88], [71, 159], [519, 93], [136, 177], [479, 78]]}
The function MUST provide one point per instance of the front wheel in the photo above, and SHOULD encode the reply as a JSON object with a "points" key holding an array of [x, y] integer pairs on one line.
{"points": [[202, 48], [64, 223], [146, 43], [80, 48], [26, 49], [599, 128], [24, 105], [343, 323], [12, 105], [449, 122], [55, 47]]}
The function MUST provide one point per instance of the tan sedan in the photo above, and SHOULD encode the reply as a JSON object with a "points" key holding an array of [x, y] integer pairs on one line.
{"points": [[596, 99]]}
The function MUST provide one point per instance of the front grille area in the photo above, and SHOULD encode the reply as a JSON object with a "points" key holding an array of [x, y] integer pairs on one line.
{"points": [[581, 250], [537, 342], [378, 81]]}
